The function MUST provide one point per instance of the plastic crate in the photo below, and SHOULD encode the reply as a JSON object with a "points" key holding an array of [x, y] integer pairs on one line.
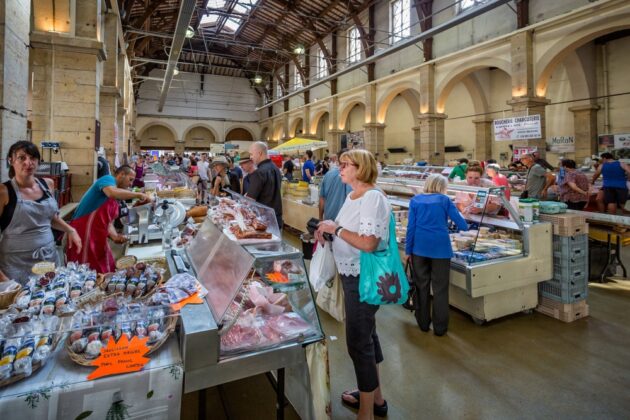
{"points": [[566, 312], [570, 247], [565, 291], [570, 269]]}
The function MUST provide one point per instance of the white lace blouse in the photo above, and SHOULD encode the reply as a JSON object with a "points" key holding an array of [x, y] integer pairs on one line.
{"points": [[367, 215]]}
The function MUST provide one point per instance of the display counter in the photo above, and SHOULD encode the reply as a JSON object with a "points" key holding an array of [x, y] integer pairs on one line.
{"points": [[296, 214], [60, 390], [499, 262]]}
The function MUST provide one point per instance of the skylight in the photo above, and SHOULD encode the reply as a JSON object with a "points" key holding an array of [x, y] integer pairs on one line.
{"points": [[233, 22]]}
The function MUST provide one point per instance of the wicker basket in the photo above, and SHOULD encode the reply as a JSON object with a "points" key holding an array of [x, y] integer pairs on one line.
{"points": [[82, 360], [36, 365], [8, 296], [126, 262]]}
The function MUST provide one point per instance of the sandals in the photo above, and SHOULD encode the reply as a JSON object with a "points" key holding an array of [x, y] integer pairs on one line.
{"points": [[379, 410]]}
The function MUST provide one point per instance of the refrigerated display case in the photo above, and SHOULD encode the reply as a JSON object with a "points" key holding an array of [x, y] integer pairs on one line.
{"points": [[498, 263], [257, 317]]}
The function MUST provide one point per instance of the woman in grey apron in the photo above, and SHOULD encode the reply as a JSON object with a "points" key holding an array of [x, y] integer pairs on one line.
{"points": [[26, 237]]}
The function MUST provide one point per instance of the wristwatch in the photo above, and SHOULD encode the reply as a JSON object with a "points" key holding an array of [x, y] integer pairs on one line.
{"points": [[339, 228]]}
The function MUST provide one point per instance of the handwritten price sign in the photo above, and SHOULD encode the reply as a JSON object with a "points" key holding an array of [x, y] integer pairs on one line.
{"points": [[122, 357]]}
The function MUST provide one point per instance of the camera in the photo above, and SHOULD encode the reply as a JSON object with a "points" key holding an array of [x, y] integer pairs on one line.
{"points": [[311, 226]]}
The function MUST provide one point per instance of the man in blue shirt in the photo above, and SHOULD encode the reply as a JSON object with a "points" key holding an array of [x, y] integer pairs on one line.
{"points": [[308, 169], [332, 194]]}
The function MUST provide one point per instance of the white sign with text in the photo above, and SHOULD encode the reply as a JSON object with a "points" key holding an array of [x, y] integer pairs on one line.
{"points": [[517, 128]]}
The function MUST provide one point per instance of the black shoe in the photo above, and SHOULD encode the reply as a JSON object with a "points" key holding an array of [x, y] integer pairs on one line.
{"points": [[439, 333], [379, 410]]}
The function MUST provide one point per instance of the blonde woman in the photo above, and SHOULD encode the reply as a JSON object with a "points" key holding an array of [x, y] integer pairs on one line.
{"points": [[361, 225], [429, 247]]}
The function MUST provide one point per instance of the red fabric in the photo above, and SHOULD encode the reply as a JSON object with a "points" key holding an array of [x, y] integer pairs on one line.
{"points": [[500, 180], [93, 230]]}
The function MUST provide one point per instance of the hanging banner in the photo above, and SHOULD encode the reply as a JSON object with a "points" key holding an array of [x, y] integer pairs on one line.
{"points": [[561, 144], [622, 141], [517, 128]]}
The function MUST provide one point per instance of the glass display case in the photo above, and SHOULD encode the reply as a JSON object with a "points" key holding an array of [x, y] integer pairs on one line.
{"points": [[257, 316], [244, 220], [498, 261]]}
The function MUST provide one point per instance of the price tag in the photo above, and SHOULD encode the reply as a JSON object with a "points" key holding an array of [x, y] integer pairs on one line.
{"points": [[123, 356], [480, 199], [192, 299]]}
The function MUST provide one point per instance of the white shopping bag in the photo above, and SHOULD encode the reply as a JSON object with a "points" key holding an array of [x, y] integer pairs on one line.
{"points": [[322, 266]]}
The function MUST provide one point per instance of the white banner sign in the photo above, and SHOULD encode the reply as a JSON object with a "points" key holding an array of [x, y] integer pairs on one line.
{"points": [[561, 144], [517, 128], [622, 141]]}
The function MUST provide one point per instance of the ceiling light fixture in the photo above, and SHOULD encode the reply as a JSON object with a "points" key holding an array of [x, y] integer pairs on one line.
{"points": [[190, 32], [299, 49], [258, 79], [176, 71]]}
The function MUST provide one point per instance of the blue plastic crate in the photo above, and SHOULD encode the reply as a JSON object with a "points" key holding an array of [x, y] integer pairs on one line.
{"points": [[570, 268], [570, 247], [565, 291]]}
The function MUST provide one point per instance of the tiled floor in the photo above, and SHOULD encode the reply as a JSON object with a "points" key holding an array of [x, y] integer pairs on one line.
{"points": [[521, 366]]}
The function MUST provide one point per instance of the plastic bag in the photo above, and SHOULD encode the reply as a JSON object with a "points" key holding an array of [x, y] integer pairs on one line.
{"points": [[322, 266], [330, 299], [319, 372]]}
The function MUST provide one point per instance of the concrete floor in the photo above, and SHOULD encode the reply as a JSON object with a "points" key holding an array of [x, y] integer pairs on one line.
{"points": [[521, 366]]}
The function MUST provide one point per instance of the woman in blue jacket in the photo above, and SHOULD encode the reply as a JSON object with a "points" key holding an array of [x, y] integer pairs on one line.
{"points": [[429, 247]]}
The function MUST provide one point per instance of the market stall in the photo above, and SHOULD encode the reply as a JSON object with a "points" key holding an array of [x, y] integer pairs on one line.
{"points": [[483, 283]]}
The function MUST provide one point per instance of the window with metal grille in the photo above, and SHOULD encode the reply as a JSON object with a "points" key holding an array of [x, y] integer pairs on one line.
{"points": [[322, 64], [297, 78], [354, 45], [401, 20]]}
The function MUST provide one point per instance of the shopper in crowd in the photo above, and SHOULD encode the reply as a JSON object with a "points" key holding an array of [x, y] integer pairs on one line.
{"points": [[235, 176], [497, 178], [362, 223], [333, 160], [332, 194], [615, 185], [192, 170], [537, 180], [466, 201], [308, 168], [265, 181], [220, 180], [288, 167], [247, 164], [429, 215], [28, 211], [322, 167], [542, 162], [574, 188], [93, 219], [203, 170], [459, 171], [102, 167], [138, 168]]}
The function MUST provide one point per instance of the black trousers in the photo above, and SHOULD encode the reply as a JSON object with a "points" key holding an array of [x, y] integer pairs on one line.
{"points": [[364, 347], [432, 273], [579, 205]]}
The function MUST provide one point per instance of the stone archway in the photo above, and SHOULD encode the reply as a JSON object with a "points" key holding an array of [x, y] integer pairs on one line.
{"points": [[347, 109], [264, 134], [239, 134], [409, 91], [199, 137], [157, 135], [296, 128]]}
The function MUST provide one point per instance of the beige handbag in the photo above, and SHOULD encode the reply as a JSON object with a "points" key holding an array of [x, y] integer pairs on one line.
{"points": [[330, 298]]}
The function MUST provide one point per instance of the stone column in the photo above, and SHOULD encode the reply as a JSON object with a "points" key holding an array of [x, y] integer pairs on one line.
{"points": [[374, 138], [110, 94], [531, 106], [430, 141], [334, 140], [14, 75], [66, 95], [585, 129], [483, 139]]}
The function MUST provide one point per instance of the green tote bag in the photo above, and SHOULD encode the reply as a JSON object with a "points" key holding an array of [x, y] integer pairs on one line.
{"points": [[383, 279]]}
